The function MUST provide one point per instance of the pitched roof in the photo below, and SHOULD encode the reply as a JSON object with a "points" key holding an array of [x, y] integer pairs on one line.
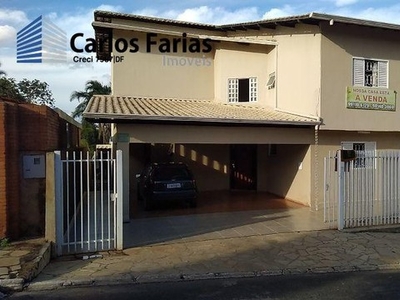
{"points": [[310, 18], [125, 108]]}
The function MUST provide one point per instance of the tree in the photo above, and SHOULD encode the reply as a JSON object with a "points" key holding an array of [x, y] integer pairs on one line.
{"points": [[89, 135], [30, 91], [9, 88], [2, 72], [35, 91], [92, 87]]}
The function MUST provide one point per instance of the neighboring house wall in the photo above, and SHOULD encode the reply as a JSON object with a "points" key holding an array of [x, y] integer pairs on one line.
{"points": [[340, 44], [28, 130]]}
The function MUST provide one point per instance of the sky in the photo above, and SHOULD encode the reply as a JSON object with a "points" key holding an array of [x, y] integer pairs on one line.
{"points": [[76, 16]]}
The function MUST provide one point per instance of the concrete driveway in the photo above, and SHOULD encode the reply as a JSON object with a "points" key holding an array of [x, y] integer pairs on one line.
{"points": [[220, 215]]}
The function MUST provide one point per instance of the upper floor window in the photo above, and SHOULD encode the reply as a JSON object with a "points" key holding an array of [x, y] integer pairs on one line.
{"points": [[370, 73], [242, 89]]}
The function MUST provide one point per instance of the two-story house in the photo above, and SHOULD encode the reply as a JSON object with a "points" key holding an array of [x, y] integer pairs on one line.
{"points": [[255, 105]]}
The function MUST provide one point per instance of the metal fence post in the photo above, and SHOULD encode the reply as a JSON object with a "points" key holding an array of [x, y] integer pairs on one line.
{"points": [[341, 199], [120, 201]]}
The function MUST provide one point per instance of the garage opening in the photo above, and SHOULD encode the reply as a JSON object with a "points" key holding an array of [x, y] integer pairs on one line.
{"points": [[244, 189], [229, 177]]}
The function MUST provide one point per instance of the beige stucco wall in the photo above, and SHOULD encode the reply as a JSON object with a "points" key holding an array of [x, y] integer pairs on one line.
{"points": [[286, 174], [244, 61], [298, 73], [159, 133], [209, 164], [298, 66], [339, 45], [165, 75], [331, 141]]}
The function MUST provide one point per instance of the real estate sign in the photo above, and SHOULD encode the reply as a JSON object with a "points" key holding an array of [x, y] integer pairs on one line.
{"points": [[370, 98]]}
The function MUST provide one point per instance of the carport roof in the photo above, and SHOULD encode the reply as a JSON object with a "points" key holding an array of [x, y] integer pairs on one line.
{"points": [[114, 109]]}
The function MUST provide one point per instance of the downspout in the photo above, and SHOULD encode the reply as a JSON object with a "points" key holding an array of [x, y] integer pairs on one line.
{"points": [[276, 76], [316, 165]]}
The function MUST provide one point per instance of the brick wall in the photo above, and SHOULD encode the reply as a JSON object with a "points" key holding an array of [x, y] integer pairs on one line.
{"points": [[9, 170], [26, 129], [39, 128], [3, 203], [13, 170]]}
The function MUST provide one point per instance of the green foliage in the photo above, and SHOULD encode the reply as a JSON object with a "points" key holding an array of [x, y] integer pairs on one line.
{"points": [[9, 88], [4, 243], [30, 91], [89, 135], [92, 87], [35, 91]]}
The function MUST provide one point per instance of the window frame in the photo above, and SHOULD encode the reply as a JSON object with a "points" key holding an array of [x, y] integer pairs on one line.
{"points": [[359, 72], [233, 89], [360, 162], [271, 81]]}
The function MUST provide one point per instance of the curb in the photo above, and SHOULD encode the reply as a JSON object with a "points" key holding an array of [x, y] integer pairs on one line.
{"points": [[144, 279], [33, 269], [39, 263]]}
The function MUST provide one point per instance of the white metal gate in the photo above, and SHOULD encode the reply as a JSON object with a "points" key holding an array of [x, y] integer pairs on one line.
{"points": [[364, 191], [88, 201]]}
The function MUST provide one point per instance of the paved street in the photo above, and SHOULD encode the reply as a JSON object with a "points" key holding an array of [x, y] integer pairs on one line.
{"points": [[354, 285]]}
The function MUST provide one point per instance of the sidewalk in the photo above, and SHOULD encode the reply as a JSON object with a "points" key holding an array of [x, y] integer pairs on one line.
{"points": [[275, 254], [22, 261]]}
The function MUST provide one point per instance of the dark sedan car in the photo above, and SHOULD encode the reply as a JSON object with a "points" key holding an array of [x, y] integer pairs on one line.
{"points": [[165, 182]]}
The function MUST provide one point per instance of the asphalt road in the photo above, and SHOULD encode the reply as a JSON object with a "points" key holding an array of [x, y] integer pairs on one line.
{"points": [[355, 285]]}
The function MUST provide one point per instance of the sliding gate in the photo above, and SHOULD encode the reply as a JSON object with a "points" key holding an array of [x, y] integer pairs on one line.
{"points": [[88, 201]]}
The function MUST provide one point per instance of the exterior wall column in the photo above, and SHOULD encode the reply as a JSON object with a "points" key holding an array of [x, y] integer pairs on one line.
{"points": [[124, 147]]}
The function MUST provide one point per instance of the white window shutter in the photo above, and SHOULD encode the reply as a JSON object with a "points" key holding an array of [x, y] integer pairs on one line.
{"points": [[233, 90], [253, 89], [358, 71], [383, 74]]}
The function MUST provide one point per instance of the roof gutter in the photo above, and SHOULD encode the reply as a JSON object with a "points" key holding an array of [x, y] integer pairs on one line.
{"points": [[117, 117]]}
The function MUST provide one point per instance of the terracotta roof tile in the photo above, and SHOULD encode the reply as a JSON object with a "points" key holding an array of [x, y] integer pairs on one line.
{"points": [[116, 108]]}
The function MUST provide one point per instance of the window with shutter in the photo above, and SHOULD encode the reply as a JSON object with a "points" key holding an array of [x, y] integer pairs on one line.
{"points": [[358, 72], [368, 72], [383, 74]]}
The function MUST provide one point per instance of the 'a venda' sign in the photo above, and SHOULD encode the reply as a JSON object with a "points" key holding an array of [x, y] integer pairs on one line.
{"points": [[370, 98]]}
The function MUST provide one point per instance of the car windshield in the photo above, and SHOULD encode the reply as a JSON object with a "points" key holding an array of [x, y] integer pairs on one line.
{"points": [[171, 173]]}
